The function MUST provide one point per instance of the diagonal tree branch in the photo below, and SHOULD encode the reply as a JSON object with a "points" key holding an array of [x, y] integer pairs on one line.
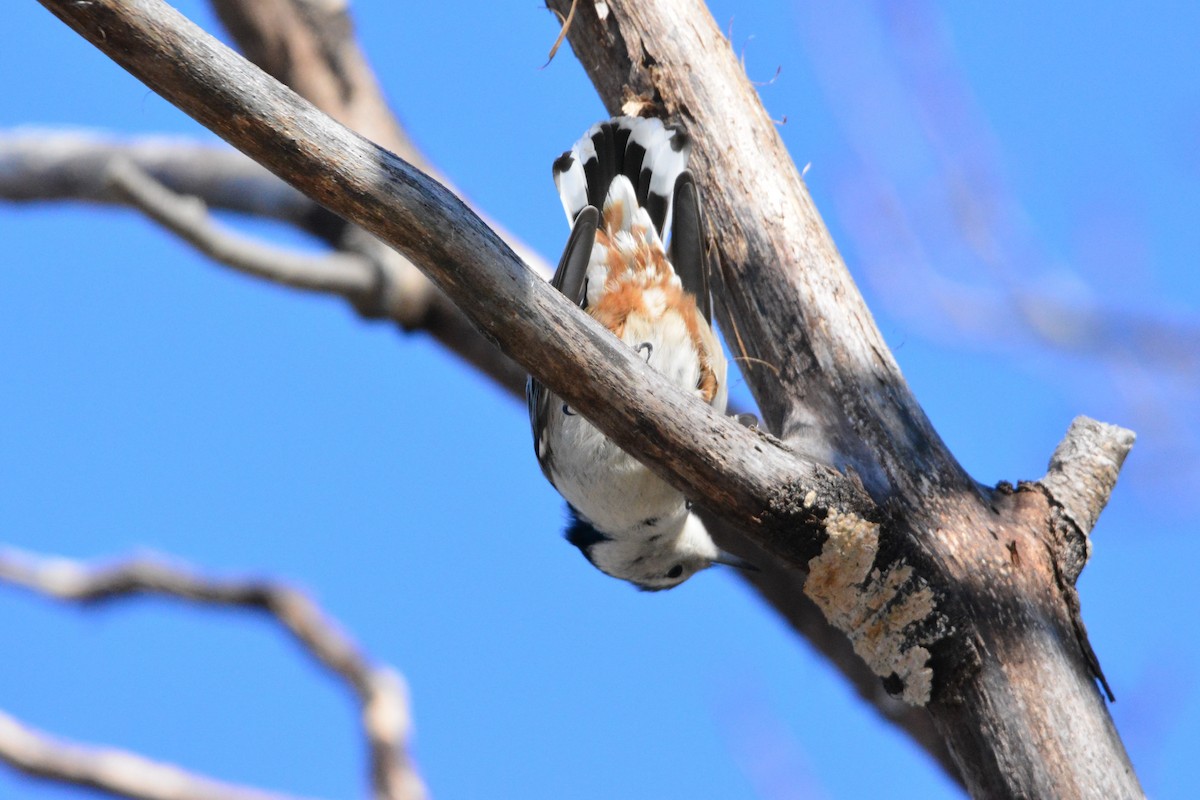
{"points": [[53, 165], [1001, 664], [906, 555], [188, 218], [747, 477], [112, 771], [379, 689]]}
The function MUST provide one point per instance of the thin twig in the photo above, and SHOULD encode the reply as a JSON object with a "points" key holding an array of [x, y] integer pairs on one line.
{"points": [[380, 691], [562, 34]]}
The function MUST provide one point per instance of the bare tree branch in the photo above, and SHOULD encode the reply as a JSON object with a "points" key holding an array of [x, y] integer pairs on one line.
{"points": [[379, 690], [1001, 664], [912, 560], [38, 165], [188, 218], [109, 770], [1083, 470], [118, 773]]}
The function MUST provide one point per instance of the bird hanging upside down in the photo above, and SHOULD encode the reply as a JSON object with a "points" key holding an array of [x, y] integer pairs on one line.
{"points": [[625, 187]]}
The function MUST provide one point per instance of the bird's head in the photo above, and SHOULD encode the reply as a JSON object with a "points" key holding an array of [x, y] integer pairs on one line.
{"points": [[652, 557]]}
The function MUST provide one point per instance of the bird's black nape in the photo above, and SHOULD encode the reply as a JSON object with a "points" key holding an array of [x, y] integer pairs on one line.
{"points": [[581, 534]]}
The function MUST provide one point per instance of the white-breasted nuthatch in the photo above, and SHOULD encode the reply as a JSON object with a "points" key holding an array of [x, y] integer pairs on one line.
{"points": [[625, 186]]}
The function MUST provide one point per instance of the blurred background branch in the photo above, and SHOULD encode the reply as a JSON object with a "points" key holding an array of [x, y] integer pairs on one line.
{"points": [[942, 237], [379, 690]]}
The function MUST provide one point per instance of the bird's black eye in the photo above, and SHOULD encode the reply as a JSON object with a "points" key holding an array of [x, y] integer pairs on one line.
{"points": [[675, 571]]}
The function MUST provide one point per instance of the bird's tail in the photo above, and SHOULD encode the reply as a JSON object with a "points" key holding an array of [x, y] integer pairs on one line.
{"points": [[648, 154]]}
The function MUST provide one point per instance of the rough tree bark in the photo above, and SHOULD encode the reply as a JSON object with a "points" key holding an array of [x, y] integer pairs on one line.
{"points": [[959, 597], [1010, 675]]}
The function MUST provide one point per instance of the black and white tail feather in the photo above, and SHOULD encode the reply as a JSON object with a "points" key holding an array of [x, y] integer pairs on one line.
{"points": [[624, 186], [653, 158]]}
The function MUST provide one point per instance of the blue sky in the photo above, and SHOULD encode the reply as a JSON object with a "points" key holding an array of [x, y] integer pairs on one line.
{"points": [[154, 401]]}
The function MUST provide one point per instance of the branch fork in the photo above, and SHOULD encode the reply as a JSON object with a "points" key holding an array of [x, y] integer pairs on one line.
{"points": [[899, 559]]}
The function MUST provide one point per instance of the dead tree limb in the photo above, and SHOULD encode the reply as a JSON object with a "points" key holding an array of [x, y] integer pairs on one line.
{"points": [[1010, 684], [188, 218], [112, 771], [56, 166], [45, 165], [379, 690], [906, 555], [304, 45]]}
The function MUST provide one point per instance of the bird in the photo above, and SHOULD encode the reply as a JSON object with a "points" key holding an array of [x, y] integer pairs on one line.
{"points": [[626, 190]]}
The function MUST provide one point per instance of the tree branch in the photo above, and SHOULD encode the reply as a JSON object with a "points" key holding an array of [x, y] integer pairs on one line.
{"points": [[983, 636], [907, 556], [113, 771], [1084, 468], [379, 689], [39, 166], [188, 218], [746, 477]]}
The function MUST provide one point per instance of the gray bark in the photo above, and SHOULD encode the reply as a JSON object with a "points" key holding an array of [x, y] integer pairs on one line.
{"points": [[972, 577], [959, 596]]}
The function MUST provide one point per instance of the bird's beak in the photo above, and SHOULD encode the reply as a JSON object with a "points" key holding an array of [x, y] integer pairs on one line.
{"points": [[730, 560]]}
